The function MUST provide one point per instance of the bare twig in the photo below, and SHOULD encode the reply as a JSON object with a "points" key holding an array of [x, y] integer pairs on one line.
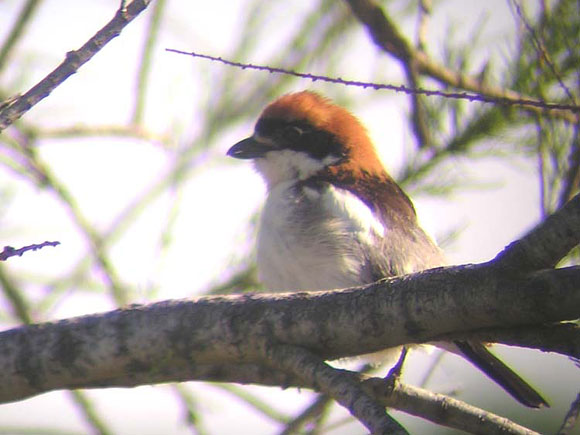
{"points": [[506, 98], [72, 62], [9, 251]]}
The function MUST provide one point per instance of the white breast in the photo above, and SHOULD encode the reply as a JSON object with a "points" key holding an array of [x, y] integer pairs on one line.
{"points": [[314, 239]]}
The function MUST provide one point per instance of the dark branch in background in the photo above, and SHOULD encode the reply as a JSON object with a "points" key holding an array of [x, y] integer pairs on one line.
{"points": [[506, 99], [9, 251], [73, 61]]}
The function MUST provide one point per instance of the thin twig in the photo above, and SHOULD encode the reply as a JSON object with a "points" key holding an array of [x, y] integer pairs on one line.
{"points": [[72, 62], [506, 99], [9, 251]]}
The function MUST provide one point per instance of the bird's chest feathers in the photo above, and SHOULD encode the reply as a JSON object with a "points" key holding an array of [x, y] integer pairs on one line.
{"points": [[314, 238]]}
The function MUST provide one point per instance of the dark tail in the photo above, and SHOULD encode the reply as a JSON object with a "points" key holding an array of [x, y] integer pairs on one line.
{"points": [[505, 377]]}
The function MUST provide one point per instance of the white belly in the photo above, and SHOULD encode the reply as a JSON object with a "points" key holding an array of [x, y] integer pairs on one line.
{"points": [[311, 239]]}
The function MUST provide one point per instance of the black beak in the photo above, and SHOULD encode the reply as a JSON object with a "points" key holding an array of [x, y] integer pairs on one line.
{"points": [[249, 148]]}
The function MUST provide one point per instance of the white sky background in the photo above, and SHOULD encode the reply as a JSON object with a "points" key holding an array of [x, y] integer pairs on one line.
{"points": [[216, 204]]}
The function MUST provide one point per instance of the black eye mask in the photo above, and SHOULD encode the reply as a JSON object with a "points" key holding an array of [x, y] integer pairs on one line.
{"points": [[300, 136]]}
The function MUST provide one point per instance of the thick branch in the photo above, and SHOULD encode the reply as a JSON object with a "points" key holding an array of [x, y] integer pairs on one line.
{"points": [[17, 106], [164, 342]]}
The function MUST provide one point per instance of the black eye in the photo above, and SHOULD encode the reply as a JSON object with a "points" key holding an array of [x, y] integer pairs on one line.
{"points": [[292, 132]]}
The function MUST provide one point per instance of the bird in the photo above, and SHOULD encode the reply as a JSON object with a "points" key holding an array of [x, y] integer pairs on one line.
{"points": [[334, 218]]}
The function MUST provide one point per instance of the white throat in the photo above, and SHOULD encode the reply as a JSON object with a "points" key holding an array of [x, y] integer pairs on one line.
{"points": [[289, 165]]}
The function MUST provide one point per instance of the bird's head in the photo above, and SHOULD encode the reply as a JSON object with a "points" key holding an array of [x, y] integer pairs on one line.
{"points": [[303, 134]]}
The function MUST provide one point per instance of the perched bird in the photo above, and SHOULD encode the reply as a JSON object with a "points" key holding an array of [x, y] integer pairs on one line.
{"points": [[334, 218]]}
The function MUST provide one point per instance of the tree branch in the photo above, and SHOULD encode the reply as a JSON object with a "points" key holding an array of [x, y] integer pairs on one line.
{"points": [[339, 384], [443, 410], [163, 341], [9, 251], [13, 110]]}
